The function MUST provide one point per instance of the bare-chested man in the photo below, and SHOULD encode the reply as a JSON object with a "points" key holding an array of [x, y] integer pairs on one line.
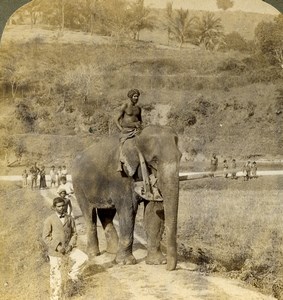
{"points": [[129, 121], [129, 118]]}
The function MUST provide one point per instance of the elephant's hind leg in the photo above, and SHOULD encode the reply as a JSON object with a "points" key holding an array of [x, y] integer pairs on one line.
{"points": [[106, 217], [154, 227]]}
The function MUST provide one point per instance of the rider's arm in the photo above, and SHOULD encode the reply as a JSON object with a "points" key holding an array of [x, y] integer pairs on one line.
{"points": [[120, 116]]}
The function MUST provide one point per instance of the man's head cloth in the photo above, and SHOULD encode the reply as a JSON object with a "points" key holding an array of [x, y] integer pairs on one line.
{"points": [[133, 92]]}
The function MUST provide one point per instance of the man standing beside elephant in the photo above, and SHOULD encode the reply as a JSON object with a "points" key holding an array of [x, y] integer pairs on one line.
{"points": [[60, 237]]}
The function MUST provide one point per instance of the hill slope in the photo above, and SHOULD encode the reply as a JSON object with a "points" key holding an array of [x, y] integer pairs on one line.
{"points": [[229, 103]]}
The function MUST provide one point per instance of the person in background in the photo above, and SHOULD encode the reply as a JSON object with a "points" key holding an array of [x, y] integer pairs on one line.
{"points": [[254, 170], [225, 168], [67, 186], [59, 175], [64, 171], [52, 177], [42, 178], [249, 167], [234, 171], [60, 236], [25, 178], [247, 171], [68, 204], [213, 164], [34, 170]]}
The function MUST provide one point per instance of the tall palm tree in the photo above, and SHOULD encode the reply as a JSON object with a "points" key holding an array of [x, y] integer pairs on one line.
{"points": [[209, 31], [169, 15], [180, 25], [140, 18]]}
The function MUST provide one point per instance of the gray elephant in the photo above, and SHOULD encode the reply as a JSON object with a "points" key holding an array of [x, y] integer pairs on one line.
{"points": [[102, 191]]}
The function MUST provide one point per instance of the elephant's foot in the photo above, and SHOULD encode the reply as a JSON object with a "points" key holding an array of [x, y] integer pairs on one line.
{"points": [[93, 253], [155, 258], [125, 260], [111, 244], [112, 248]]}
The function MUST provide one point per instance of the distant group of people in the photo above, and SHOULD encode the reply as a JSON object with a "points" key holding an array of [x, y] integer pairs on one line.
{"points": [[59, 229], [36, 173], [249, 168]]}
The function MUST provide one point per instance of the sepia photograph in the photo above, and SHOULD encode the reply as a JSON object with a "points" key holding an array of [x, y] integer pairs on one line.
{"points": [[141, 149]]}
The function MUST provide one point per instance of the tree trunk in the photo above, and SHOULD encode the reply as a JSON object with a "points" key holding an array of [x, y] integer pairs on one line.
{"points": [[91, 24], [62, 15], [31, 20]]}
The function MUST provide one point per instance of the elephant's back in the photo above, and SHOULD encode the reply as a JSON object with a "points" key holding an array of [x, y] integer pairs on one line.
{"points": [[98, 156], [95, 172]]}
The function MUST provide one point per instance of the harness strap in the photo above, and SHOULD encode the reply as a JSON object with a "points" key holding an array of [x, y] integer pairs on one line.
{"points": [[145, 177]]}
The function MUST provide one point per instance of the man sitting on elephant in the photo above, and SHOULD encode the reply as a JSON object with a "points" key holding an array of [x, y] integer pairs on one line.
{"points": [[129, 121]]}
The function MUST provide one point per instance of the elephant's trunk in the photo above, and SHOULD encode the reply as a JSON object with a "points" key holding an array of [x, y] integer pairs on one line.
{"points": [[168, 177]]}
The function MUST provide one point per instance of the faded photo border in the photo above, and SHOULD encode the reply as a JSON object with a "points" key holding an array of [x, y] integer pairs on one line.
{"points": [[253, 268]]}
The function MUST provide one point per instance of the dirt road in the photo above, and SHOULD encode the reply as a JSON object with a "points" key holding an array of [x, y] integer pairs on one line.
{"points": [[188, 175], [109, 281]]}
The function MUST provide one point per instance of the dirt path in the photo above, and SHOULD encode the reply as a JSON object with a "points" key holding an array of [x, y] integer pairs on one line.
{"points": [[141, 281], [181, 175]]}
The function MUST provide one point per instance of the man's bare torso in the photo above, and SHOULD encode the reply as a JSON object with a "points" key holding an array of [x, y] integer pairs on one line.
{"points": [[131, 114]]}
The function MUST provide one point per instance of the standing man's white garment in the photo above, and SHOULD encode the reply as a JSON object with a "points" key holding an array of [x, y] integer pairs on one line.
{"points": [[60, 235]]}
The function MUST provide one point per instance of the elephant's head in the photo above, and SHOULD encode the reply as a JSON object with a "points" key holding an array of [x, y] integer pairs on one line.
{"points": [[159, 147]]}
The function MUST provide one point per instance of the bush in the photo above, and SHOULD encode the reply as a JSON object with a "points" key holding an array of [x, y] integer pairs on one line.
{"points": [[234, 41], [203, 106], [26, 115], [269, 37], [181, 117], [231, 64], [269, 74]]}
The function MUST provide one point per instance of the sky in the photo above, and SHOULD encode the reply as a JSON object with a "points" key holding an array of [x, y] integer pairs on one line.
{"points": [[257, 6]]}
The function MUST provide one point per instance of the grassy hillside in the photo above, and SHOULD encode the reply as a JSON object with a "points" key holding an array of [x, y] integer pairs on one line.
{"points": [[225, 102], [233, 21]]}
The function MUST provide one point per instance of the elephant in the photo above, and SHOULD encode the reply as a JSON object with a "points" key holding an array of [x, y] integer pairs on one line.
{"points": [[102, 191]]}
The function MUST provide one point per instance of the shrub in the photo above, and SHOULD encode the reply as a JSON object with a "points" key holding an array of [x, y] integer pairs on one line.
{"points": [[181, 117], [203, 106], [231, 64], [269, 37], [26, 115], [234, 41], [269, 74]]}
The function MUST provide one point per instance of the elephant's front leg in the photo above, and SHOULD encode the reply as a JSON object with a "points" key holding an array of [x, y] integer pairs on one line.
{"points": [[89, 213], [154, 227], [124, 254], [91, 229]]}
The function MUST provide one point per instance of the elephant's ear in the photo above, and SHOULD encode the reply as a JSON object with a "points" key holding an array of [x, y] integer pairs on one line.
{"points": [[129, 157]]}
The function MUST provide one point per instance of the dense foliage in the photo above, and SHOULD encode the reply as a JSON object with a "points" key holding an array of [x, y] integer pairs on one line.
{"points": [[269, 37]]}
